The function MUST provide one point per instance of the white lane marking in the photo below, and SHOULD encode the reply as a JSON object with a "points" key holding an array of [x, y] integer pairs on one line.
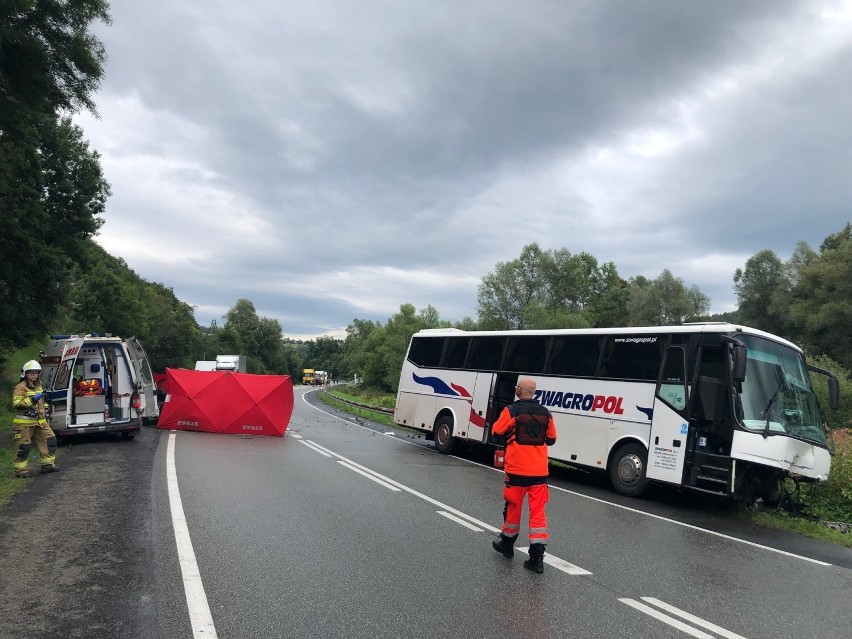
{"points": [[459, 516], [411, 491], [314, 447], [295, 436], [196, 600], [666, 619], [609, 503], [556, 562], [685, 525], [698, 621], [368, 476], [459, 520]]}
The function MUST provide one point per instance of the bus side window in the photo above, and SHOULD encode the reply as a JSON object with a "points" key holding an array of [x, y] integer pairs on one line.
{"points": [[574, 355], [426, 351], [673, 382], [632, 357]]}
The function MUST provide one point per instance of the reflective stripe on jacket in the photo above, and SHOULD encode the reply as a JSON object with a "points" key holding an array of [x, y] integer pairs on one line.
{"points": [[28, 412], [529, 429]]}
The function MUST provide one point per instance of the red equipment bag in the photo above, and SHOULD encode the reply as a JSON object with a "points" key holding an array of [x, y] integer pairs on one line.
{"points": [[499, 457]]}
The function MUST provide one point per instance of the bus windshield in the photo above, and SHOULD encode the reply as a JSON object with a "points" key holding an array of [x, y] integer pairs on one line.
{"points": [[776, 395]]}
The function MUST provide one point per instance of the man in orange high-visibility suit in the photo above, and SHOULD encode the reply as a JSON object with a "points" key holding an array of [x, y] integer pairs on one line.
{"points": [[529, 430]]}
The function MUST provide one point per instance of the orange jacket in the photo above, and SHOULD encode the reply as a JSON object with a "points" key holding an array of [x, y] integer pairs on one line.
{"points": [[525, 459]]}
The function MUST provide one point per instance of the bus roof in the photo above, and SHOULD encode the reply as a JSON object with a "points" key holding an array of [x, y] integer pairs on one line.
{"points": [[693, 327]]}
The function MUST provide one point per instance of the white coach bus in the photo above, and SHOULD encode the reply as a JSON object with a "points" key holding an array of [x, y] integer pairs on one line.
{"points": [[714, 407]]}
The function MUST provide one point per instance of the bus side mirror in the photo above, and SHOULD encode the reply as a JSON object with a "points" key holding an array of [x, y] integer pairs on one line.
{"points": [[833, 393], [833, 386], [739, 353]]}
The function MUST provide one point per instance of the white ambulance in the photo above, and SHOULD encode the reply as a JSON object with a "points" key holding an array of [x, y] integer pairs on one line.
{"points": [[98, 384]]}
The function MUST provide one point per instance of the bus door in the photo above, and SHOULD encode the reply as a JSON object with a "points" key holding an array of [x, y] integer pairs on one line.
{"points": [[669, 426], [477, 425], [502, 393]]}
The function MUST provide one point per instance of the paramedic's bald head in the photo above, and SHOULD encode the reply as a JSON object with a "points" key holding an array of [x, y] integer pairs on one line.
{"points": [[526, 388]]}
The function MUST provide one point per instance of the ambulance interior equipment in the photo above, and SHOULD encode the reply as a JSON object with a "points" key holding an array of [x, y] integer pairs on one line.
{"points": [[93, 384]]}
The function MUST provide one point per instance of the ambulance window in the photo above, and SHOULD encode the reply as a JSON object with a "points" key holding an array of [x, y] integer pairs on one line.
{"points": [[485, 353], [456, 352], [426, 351], [574, 355], [62, 376]]}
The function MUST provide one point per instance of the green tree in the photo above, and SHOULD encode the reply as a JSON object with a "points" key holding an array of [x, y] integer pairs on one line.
{"points": [[52, 191], [355, 344], [106, 296], [571, 279], [842, 417], [821, 311], [385, 347], [28, 296], [539, 317], [504, 294], [49, 59], [239, 335], [173, 334], [552, 289], [664, 301], [608, 306], [74, 188], [763, 292], [325, 354]]}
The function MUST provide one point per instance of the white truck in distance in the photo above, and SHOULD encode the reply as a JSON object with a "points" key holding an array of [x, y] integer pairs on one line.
{"points": [[235, 363]]}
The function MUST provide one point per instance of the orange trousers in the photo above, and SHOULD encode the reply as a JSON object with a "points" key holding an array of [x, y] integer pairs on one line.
{"points": [[537, 498]]}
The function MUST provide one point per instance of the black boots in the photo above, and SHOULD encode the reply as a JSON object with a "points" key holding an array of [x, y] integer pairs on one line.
{"points": [[536, 560], [504, 545]]}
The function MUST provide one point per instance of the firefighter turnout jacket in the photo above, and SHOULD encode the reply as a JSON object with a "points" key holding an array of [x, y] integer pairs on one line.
{"points": [[27, 411], [529, 430]]}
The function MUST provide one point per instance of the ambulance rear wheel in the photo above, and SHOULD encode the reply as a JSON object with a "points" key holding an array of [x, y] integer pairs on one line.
{"points": [[443, 435], [627, 470]]}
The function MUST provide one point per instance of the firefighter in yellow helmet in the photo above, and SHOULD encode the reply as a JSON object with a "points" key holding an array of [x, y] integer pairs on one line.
{"points": [[30, 422]]}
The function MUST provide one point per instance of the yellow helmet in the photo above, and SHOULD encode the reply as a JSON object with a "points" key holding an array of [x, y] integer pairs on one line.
{"points": [[31, 365]]}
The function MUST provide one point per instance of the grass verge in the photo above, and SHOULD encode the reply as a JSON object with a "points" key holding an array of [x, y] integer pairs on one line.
{"points": [[369, 398], [781, 520]]}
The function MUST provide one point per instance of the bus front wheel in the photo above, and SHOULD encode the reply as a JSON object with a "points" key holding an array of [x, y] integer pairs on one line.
{"points": [[443, 435], [627, 470]]}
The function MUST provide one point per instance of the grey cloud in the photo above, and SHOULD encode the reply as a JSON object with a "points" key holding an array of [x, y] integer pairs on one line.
{"points": [[419, 135]]}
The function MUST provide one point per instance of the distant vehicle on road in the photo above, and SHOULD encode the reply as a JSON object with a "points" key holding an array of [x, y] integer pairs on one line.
{"points": [[308, 376], [235, 363], [714, 407]]}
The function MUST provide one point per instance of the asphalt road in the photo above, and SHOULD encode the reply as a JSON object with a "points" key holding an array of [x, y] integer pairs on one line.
{"points": [[345, 530]]}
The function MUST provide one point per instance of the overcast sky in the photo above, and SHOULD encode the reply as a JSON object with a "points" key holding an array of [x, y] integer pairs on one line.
{"points": [[331, 160]]}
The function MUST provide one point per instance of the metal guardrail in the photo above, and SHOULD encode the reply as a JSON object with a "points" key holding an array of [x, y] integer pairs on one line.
{"points": [[378, 409]]}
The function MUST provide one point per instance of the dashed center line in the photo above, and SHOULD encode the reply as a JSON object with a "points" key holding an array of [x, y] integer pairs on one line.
{"points": [[676, 623], [461, 518]]}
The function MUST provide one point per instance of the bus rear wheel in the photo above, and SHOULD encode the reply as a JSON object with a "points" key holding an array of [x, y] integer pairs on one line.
{"points": [[627, 470], [443, 435]]}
